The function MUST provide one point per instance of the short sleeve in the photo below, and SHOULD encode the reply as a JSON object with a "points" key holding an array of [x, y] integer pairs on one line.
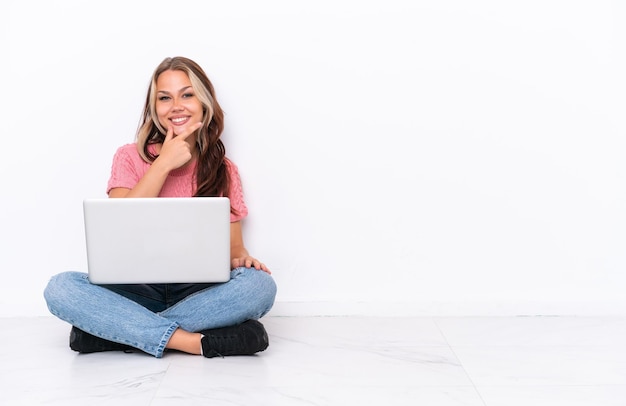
{"points": [[235, 193], [124, 170]]}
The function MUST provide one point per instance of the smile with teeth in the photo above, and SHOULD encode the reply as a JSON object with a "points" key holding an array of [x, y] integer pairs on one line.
{"points": [[179, 120]]}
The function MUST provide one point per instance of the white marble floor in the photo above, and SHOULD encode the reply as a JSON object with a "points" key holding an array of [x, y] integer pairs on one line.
{"points": [[336, 361]]}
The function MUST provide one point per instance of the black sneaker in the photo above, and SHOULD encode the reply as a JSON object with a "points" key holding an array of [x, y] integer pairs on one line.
{"points": [[86, 343], [246, 338]]}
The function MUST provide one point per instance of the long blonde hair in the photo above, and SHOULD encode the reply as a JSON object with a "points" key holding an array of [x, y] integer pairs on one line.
{"points": [[211, 172]]}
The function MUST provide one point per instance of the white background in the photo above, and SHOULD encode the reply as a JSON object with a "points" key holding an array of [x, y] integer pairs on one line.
{"points": [[398, 157]]}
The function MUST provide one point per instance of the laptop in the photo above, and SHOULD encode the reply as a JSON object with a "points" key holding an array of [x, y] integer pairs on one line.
{"points": [[157, 240]]}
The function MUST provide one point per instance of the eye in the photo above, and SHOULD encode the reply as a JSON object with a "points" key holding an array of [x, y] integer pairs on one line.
{"points": [[163, 98], [187, 95]]}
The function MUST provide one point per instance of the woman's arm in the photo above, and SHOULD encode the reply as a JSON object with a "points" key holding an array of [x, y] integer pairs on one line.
{"points": [[149, 185], [239, 255], [173, 153]]}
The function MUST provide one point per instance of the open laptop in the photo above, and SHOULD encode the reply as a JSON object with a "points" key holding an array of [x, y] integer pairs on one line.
{"points": [[157, 240]]}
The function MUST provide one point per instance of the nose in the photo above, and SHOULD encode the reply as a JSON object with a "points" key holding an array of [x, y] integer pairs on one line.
{"points": [[177, 106]]}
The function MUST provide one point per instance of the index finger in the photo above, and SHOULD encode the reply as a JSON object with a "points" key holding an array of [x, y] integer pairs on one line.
{"points": [[190, 130], [169, 135]]}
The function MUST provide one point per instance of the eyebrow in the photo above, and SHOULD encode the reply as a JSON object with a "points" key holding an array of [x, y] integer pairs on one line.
{"points": [[180, 91]]}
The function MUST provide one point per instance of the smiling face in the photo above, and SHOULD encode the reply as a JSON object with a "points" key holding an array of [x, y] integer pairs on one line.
{"points": [[177, 105]]}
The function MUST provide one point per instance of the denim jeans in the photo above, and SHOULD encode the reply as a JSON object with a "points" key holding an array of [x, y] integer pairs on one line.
{"points": [[146, 316]]}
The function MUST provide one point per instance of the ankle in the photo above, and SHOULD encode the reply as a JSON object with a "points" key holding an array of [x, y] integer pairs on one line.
{"points": [[185, 341]]}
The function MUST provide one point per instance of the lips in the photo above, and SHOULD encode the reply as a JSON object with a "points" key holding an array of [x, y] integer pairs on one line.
{"points": [[179, 120]]}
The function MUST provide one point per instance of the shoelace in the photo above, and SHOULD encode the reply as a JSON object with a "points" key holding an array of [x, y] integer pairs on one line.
{"points": [[216, 343]]}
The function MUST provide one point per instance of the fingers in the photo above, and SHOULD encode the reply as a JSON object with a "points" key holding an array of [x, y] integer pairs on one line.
{"points": [[265, 269], [250, 262], [169, 135], [183, 135], [190, 130]]}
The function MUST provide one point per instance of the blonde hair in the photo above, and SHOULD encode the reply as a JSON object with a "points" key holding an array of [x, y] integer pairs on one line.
{"points": [[151, 131], [211, 174]]}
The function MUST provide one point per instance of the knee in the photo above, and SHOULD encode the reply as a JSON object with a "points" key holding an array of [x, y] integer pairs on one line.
{"points": [[266, 288], [59, 287], [263, 282], [261, 289]]}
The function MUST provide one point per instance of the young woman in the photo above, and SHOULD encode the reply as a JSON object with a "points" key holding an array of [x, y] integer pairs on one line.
{"points": [[177, 153]]}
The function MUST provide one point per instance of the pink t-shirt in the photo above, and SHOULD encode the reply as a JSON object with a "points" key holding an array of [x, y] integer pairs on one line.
{"points": [[128, 168]]}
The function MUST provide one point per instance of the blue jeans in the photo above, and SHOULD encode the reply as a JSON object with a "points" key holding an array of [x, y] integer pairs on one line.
{"points": [[146, 316]]}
